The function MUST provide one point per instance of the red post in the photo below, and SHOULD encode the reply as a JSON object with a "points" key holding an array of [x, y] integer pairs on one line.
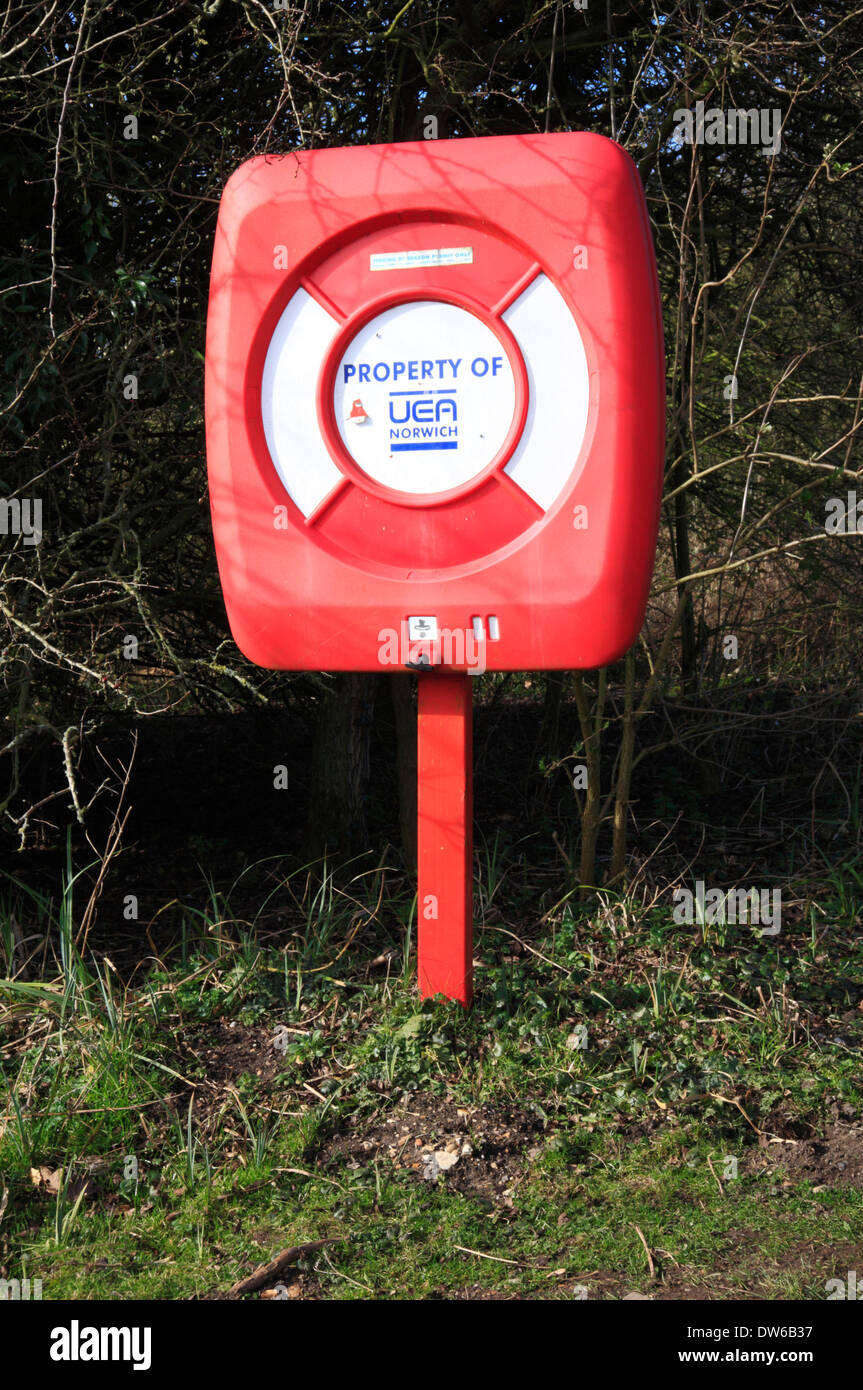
{"points": [[445, 835]]}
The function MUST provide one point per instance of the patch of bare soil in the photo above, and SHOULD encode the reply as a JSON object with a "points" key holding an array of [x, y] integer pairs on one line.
{"points": [[480, 1151], [227, 1050], [832, 1159]]}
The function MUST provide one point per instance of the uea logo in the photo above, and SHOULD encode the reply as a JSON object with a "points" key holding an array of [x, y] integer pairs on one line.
{"points": [[417, 422], [438, 390], [424, 434]]}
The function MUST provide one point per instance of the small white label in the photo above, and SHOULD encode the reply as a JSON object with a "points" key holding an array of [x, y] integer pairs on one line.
{"points": [[423, 630], [411, 260]]}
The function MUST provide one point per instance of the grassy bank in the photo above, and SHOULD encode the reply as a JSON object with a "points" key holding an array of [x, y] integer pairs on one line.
{"points": [[633, 1105]]}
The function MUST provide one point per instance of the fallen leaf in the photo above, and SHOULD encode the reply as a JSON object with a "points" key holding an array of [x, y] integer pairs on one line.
{"points": [[445, 1159], [49, 1178]]}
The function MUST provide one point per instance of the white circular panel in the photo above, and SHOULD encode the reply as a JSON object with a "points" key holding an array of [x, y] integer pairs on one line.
{"points": [[424, 397]]}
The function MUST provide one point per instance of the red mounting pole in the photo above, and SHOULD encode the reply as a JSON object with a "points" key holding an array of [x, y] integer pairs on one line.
{"points": [[445, 835]]}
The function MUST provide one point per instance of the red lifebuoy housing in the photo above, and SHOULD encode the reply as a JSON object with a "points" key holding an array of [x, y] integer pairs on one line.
{"points": [[435, 390]]}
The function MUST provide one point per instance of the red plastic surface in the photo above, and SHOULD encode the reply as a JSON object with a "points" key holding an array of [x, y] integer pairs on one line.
{"points": [[317, 592], [445, 835]]}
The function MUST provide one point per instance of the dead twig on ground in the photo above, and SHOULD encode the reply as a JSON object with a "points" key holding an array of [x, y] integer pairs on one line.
{"points": [[269, 1273]]}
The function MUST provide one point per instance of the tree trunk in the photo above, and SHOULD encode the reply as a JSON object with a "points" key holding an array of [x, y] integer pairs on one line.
{"points": [[591, 738], [404, 710], [624, 776], [337, 824], [550, 729], [683, 566]]}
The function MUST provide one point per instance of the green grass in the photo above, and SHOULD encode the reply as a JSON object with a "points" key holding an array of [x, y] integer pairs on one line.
{"points": [[648, 1059]]}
